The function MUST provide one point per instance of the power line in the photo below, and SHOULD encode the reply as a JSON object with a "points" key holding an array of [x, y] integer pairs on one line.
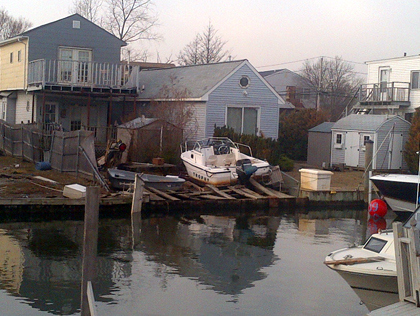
{"points": [[302, 60]]}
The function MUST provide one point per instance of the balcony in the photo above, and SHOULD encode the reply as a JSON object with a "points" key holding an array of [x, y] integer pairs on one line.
{"points": [[77, 76], [385, 93]]}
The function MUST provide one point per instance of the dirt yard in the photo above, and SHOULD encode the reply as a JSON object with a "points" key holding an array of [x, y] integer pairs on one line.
{"points": [[20, 179]]}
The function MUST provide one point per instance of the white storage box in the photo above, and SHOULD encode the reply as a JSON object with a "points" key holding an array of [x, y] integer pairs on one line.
{"points": [[314, 179], [74, 191]]}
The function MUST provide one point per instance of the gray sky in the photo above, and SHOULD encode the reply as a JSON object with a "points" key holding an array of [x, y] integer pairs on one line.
{"points": [[272, 34]]}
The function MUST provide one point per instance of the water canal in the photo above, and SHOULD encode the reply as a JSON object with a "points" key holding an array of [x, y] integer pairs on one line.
{"points": [[207, 265]]}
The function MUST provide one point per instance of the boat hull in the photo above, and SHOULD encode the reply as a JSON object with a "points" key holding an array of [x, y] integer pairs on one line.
{"points": [[214, 176], [398, 190], [121, 179], [372, 282]]}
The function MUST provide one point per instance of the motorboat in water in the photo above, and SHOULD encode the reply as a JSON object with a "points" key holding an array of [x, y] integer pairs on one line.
{"points": [[219, 161], [371, 266], [121, 179], [398, 190], [371, 269]]}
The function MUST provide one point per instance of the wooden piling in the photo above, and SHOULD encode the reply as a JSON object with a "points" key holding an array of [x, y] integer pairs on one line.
{"points": [[136, 209], [90, 244]]}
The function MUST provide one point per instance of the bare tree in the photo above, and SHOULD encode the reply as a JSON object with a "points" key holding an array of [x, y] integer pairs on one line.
{"points": [[130, 20], [206, 48], [89, 9], [335, 82], [171, 105], [10, 26]]}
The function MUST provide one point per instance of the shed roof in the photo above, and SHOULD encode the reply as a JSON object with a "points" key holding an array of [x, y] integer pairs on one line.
{"points": [[323, 127], [363, 122]]}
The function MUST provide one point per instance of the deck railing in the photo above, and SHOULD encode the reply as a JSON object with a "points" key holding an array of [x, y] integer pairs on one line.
{"points": [[78, 73], [385, 92]]}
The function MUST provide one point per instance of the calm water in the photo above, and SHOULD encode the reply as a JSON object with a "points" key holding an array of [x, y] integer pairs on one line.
{"points": [[209, 265]]}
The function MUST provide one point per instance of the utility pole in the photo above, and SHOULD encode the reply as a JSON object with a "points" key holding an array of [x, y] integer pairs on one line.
{"points": [[318, 100]]}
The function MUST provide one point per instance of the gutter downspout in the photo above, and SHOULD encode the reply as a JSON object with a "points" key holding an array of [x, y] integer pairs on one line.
{"points": [[25, 82]]}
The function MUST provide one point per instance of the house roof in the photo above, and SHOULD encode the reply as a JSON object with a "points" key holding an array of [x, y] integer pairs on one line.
{"points": [[393, 58], [323, 127], [76, 15], [198, 80], [363, 122]]}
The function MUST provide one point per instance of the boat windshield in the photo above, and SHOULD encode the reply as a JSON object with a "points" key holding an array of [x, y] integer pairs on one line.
{"points": [[375, 244], [221, 145]]}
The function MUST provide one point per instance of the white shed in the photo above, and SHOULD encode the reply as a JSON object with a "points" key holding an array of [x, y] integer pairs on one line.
{"points": [[389, 133]]}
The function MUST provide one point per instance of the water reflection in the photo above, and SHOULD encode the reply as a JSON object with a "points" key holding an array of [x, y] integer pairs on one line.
{"points": [[40, 263], [223, 253]]}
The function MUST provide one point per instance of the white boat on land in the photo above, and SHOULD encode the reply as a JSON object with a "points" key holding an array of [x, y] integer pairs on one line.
{"points": [[219, 161], [398, 190]]}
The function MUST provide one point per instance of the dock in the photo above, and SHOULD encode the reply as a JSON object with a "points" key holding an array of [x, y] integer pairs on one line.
{"points": [[407, 250]]}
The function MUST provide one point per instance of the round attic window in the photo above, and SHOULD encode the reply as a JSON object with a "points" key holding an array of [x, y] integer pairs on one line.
{"points": [[244, 82]]}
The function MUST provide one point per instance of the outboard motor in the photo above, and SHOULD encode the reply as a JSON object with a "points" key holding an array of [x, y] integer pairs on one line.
{"points": [[245, 170]]}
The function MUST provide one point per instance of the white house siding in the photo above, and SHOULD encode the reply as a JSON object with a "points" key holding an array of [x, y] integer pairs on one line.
{"points": [[400, 71], [257, 95], [23, 108]]}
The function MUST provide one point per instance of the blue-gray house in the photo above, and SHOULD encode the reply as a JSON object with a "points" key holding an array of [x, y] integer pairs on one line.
{"points": [[65, 74], [229, 94]]}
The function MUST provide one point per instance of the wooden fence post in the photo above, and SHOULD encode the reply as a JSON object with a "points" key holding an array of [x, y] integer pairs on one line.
{"points": [[90, 242]]}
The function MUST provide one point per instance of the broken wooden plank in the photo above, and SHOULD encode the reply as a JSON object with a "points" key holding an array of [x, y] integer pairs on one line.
{"points": [[352, 261], [211, 197], [259, 196], [192, 185], [153, 196], [243, 193], [270, 192], [163, 194], [221, 193]]}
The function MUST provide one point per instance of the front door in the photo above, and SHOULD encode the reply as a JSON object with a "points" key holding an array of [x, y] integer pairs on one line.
{"points": [[351, 149], [384, 79]]}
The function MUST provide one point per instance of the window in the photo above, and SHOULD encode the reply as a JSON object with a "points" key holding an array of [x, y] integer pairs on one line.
{"points": [[366, 138], [19, 56], [244, 82], [415, 76], [243, 120], [3, 109], [76, 24], [338, 141], [338, 138], [375, 244], [75, 125], [74, 65], [11, 57]]}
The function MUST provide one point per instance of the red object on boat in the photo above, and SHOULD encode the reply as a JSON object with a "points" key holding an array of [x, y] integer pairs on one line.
{"points": [[377, 208]]}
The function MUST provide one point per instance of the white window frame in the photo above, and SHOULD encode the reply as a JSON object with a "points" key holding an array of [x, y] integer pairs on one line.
{"points": [[418, 80], [338, 144], [243, 111], [72, 73]]}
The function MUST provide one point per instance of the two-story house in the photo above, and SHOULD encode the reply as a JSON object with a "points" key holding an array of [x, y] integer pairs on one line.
{"points": [[393, 87], [65, 75]]}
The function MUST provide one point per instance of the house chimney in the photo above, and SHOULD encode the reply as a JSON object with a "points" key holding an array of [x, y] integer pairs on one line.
{"points": [[405, 54]]}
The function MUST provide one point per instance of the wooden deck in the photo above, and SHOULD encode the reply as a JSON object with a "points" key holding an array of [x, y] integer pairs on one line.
{"points": [[397, 309]]}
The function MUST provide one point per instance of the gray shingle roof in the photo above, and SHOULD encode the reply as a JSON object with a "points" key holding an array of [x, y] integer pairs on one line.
{"points": [[322, 128], [198, 79], [362, 122]]}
